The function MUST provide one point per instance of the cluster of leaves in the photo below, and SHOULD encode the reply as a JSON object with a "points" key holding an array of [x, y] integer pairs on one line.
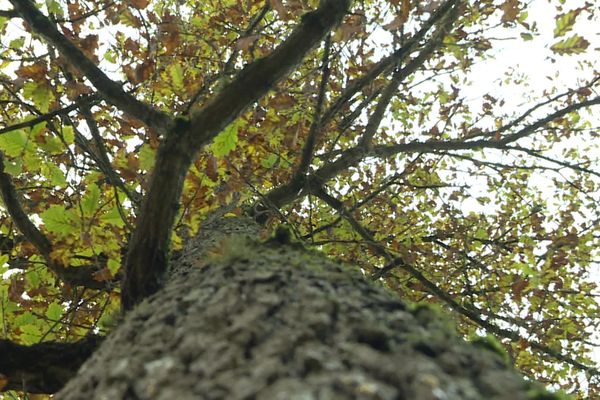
{"points": [[469, 219]]}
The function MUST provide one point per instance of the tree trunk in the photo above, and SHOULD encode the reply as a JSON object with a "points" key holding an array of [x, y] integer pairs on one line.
{"points": [[239, 319]]}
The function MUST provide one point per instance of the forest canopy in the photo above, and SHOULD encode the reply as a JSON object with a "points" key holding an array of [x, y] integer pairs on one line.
{"points": [[447, 148]]}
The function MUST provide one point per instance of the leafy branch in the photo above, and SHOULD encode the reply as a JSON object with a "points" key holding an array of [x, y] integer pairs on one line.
{"points": [[75, 276]]}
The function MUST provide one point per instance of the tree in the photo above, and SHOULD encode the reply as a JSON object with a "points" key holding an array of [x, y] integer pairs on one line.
{"points": [[129, 127]]}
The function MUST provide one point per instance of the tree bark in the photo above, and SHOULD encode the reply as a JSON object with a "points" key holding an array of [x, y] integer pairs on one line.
{"points": [[243, 319]]}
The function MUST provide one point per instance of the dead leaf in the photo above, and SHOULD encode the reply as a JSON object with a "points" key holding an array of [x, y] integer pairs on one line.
{"points": [[140, 4], [103, 275], [278, 6], [246, 42], [511, 10]]}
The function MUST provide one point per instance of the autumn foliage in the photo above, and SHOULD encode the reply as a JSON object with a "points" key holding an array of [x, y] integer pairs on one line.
{"points": [[372, 135]]}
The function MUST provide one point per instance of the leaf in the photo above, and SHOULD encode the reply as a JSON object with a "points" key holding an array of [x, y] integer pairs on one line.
{"points": [[39, 93], [573, 45], [14, 143], [565, 22], [277, 5], [30, 334], [89, 202], [511, 10], [147, 157], [140, 4], [246, 42], [103, 275], [68, 134], [53, 174], [226, 140], [113, 217], [526, 36], [55, 311], [58, 220], [269, 161], [17, 43], [176, 74]]}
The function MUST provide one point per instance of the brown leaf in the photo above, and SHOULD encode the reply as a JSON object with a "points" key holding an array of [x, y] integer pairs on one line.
{"points": [[140, 4], [511, 10], [246, 42], [278, 6], [517, 288], [35, 71], [396, 23], [144, 70], [103, 275], [212, 168]]}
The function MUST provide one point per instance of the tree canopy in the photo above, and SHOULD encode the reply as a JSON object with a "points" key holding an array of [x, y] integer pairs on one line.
{"points": [[367, 127]]}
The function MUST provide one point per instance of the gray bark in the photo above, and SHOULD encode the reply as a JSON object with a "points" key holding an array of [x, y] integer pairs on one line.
{"points": [[240, 319]]}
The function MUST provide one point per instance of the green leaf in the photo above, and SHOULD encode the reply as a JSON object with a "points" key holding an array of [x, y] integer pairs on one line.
{"points": [[54, 7], [176, 73], [113, 217], [89, 202], [59, 220], [30, 334], [226, 140], [565, 22], [55, 311], [14, 167], [68, 134], [481, 234], [14, 143], [53, 174], [17, 43], [147, 155], [573, 45], [37, 129], [40, 94], [526, 36], [25, 319], [269, 161], [53, 145]]}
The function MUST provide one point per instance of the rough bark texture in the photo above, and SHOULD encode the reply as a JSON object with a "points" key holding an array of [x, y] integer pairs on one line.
{"points": [[274, 321]]}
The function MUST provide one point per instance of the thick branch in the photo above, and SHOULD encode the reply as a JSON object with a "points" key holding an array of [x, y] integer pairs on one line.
{"points": [[259, 77], [147, 258], [45, 367], [110, 90], [76, 276]]}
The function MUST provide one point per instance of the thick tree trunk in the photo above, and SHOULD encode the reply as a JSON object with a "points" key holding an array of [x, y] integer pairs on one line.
{"points": [[240, 319]]}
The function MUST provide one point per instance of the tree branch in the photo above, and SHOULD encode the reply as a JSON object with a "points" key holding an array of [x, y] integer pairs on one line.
{"points": [[293, 189], [315, 127], [103, 162], [110, 90], [471, 313], [88, 100], [76, 276], [388, 62], [8, 14], [148, 248], [44, 367]]}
